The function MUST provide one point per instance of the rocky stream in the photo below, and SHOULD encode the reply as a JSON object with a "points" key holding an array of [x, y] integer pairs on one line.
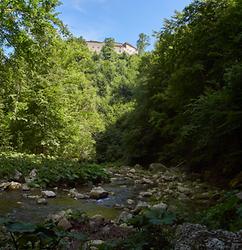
{"points": [[111, 205]]}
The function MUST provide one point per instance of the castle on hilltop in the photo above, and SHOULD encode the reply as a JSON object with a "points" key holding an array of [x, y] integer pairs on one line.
{"points": [[120, 48]]}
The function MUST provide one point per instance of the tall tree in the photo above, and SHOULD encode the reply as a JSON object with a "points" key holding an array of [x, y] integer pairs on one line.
{"points": [[107, 52], [142, 43]]}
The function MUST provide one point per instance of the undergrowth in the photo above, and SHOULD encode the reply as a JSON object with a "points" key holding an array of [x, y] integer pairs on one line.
{"points": [[51, 171]]}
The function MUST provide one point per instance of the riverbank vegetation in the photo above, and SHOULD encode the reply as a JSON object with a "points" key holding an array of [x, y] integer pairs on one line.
{"points": [[49, 171]]}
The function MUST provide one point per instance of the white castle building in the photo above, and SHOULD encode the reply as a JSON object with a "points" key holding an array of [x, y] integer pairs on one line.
{"points": [[96, 46]]}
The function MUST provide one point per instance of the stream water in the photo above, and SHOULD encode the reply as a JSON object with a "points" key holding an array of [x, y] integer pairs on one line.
{"points": [[16, 206]]}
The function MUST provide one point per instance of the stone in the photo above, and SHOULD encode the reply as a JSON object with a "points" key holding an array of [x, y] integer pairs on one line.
{"points": [[140, 206], [114, 179], [64, 223], [48, 194], [184, 190], [106, 229], [124, 217], [169, 178], [137, 182], [33, 197], [145, 194], [147, 181], [157, 167], [116, 205], [92, 248], [124, 225], [239, 195], [25, 187], [74, 193], [98, 217], [32, 176], [81, 196], [155, 176], [42, 201], [57, 217], [153, 190], [96, 243], [18, 176], [205, 195], [98, 193], [130, 175], [132, 171], [130, 202], [160, 205], [194, 236], [12, 185], [168, 191]]}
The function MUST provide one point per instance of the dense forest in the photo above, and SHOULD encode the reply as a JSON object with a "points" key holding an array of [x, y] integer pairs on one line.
{"points": [[188, 108], [179, 104]]}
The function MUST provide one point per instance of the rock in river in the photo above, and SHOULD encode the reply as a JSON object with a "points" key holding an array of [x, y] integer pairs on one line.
{"points": [[10, 185], [140, 206], [42, 201], [98, 193], [124, 217], [74, 193], [48, 194], [25, 187]]}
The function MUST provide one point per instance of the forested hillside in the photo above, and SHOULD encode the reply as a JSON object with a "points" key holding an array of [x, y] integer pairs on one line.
{"points": [[56, 95], [188, 107]]}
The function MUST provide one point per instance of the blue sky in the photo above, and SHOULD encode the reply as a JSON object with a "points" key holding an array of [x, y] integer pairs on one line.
{"points": [[120, 19]]}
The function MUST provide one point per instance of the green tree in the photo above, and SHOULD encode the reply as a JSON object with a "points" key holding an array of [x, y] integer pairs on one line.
{"points": [[187, 110], [107, 51], [142, 43]]}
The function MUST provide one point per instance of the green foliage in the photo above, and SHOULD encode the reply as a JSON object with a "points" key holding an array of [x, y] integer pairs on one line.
{"points": [[226, 214], [37, 236], [107, 52], [115, 82], [55, 95], [154, 230], [188, 105], [142, 43], [26, 25], [153, 217], [51, 171]]}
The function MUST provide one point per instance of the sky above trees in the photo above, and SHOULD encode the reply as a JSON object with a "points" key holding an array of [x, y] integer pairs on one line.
{"points": [[121, 19]]}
